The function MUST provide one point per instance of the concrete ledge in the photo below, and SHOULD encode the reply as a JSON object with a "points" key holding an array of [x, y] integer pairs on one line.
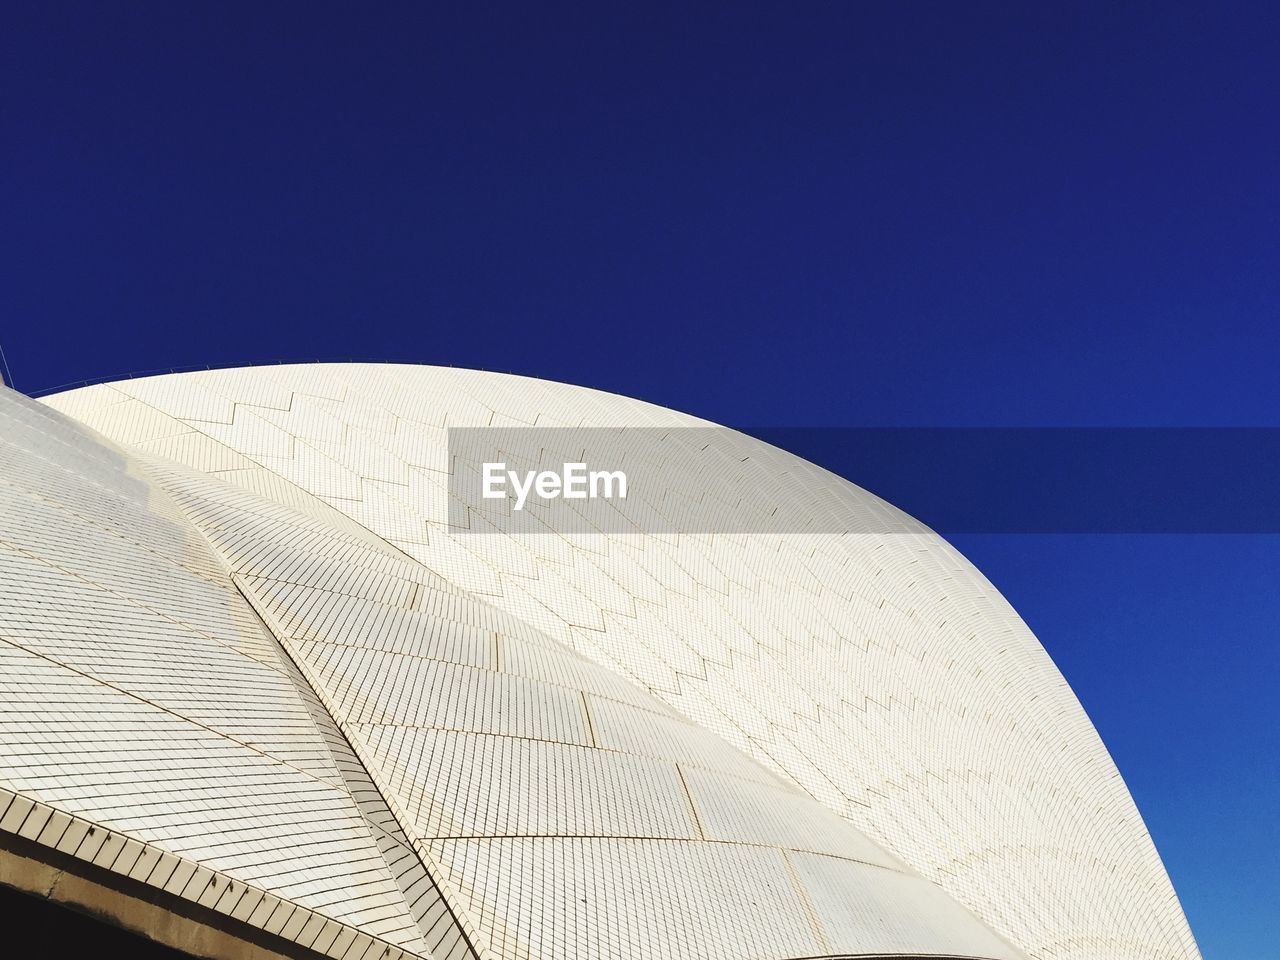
{"points": [[125, 903]]}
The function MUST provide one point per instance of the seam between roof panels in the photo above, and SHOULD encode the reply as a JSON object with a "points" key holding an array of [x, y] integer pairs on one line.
{"points": [[8, 640], [467, 928]]}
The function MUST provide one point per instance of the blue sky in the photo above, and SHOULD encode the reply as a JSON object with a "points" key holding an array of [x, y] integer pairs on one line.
{"points": [[769, 215]]}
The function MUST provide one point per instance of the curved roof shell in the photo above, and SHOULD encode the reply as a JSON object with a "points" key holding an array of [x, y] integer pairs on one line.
{"points": [[605, 745]]}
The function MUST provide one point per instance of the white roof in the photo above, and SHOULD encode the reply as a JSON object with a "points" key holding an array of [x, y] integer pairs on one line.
{"points": [[279, 662]]}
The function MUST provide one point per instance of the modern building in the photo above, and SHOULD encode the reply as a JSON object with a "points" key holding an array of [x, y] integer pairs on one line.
{"points": [[259, 698]]}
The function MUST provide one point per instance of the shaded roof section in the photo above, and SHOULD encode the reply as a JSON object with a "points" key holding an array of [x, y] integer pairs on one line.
{"points": [[151, 724]]}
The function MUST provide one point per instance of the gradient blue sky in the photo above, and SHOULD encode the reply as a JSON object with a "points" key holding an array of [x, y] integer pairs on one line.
{"points": [[785, 214]]}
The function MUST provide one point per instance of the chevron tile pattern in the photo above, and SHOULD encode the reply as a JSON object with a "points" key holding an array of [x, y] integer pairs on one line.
{"points": [[749, 745]]}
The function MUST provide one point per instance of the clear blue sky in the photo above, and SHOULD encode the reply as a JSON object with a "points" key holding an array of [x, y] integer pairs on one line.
{"points": [[789, 214]]}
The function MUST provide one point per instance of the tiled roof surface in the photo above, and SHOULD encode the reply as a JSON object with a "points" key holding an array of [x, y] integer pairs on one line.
{"points": [[764, 745]]}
